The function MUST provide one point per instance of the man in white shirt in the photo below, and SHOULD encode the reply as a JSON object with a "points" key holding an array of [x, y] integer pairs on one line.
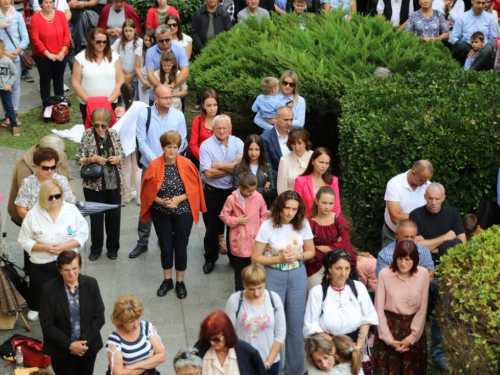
{"points": [[396, 11], [403, 194]]}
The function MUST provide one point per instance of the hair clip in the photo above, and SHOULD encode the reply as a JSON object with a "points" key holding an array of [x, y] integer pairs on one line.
{"points": [[351, 350]]}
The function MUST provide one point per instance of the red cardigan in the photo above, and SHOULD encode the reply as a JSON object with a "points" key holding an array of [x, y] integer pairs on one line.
{"points": [[152, 16], [52, 38], [190, 177], [130, 13]]}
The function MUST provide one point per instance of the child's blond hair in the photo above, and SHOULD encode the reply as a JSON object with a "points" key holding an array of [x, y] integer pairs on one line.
{"points": [[268, 84]]}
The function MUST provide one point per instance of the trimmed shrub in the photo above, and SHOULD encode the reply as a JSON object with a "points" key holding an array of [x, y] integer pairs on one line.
{"points": [[470, 318], [449, 119], [329, 56]]}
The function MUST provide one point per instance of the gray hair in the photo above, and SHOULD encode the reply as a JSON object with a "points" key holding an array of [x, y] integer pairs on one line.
{"points": [[405, 223], [435, 186], [162, 29], [222, 118], [191, 359], [54, 142], [283, 108]]}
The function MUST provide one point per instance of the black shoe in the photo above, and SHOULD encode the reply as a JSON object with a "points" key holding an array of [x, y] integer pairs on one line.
{"points": [[93, 256], [208, 267], [165, 286], [180, 289], [112, 256], [139, 249]]}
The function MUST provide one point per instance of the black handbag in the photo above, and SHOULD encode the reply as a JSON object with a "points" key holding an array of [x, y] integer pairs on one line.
{"points": [[92, 171]]}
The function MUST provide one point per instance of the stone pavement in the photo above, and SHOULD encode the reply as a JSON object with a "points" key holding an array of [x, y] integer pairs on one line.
{"points": [[177, 320]]}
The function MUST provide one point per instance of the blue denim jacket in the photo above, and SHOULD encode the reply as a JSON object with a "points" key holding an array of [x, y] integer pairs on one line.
{"points": [[18, 33]]}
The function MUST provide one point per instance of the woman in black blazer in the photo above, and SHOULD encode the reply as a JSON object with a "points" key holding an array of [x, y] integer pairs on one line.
{"points": [[71, 316]]}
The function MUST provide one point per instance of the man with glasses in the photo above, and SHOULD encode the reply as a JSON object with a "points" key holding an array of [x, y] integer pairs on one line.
{"points": [[112, 22], [163, 119], [163, 36]]}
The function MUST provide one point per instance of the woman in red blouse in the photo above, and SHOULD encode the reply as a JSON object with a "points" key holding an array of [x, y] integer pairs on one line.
{"points": [[331, 232], [202, 127], [51, 39], [156, 16]]}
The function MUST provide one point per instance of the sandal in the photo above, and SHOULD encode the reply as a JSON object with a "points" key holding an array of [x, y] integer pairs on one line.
{"points": [[6, 122], [222, 244]]}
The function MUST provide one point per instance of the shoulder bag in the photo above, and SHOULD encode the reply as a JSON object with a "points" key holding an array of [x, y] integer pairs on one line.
{"points": [[26, 59]]}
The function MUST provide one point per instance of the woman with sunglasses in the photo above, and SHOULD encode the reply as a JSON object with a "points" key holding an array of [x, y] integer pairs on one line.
{"points": [[222, 352], [178, 37], [288, 95], [97, 71], [52, 226], [102, 145], [188, 362]]}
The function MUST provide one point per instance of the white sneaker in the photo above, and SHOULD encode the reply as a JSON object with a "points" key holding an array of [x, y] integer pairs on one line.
{"points": [[129, 199], [138, 201], [32, 315], [66, 88]]}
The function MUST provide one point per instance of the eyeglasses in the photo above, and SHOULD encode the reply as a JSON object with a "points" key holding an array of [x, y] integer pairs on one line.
{"points": [[163, 40], [173, 24], [215, 340], [100, 42], [55, 196], [286, 83], [165, 97], [47, 168], [102, 126]]}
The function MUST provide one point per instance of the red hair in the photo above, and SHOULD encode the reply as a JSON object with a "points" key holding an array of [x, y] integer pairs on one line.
{"points": [[215, 324], [405, 249]]}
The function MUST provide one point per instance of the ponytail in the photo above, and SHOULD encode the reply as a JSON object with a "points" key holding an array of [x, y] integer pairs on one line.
{"points": [[345, 352]]}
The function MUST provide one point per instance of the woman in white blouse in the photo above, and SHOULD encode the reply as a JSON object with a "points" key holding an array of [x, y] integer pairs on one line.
{"points": [[49, 228], [294, 163], [178, 37], [339, 305], [97, 71]]}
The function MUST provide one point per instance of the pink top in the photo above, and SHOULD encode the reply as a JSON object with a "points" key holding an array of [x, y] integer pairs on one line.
{"points": [[304, 186], [404, 297], [366, 272]]}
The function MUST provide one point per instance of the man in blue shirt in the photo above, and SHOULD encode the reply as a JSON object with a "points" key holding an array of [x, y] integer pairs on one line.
{"points": [[153, 57], [476, 19], [163, 119], [218, 156]]}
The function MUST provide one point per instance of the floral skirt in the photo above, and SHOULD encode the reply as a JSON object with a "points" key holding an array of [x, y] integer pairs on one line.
{"points": [[387, 361]]}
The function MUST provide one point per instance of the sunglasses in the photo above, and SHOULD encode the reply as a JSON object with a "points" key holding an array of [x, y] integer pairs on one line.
{"points": [[188, 354], [102, 126], [55, 196], [100, 42], [163, 40], [47, 168], [215, 340], [286, 83], [173, 24]]}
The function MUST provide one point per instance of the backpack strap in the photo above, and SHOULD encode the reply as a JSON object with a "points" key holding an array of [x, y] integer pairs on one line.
{"points": [[148, 122], [352, 285], [272, 301], [325, 284], [240, 302]]}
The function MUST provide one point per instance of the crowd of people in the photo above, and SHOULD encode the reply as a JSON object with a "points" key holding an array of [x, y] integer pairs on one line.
{"points": [[270, 202]]}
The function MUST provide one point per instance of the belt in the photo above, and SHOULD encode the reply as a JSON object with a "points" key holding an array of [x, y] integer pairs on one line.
{"points": [[213, 188]]}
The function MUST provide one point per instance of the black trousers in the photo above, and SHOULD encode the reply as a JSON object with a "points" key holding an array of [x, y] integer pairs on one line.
{"points": [[40, 274], [50, 71], [239, 264], [74, 365], [110, 218], [173, 234], [215, 199]]}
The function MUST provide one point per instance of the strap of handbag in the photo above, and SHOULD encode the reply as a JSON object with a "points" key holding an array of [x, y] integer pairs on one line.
{"points": [[12, 40]]}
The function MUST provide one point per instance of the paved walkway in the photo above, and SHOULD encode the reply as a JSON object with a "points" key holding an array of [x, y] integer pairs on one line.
{"points": [[177, 321]]}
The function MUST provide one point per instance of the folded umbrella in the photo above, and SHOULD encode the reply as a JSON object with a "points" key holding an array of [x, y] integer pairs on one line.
{"points": [[11, 300], [89, 208]]}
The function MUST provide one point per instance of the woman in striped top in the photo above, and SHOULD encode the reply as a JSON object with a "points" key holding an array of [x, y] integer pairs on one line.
{"points": [[134, 348]]}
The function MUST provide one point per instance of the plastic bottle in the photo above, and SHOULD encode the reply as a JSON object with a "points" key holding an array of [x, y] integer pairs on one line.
{"points": [[19, 358]]}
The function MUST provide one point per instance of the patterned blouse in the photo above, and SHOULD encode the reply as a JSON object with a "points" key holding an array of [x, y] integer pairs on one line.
{"points": [[74, 312], [431, 27], [172, 186], [89, 147], [28, 191]]}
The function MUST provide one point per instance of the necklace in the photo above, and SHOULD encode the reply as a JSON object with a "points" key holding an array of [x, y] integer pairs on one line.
{"points": [[101, 142], [340, 290]]}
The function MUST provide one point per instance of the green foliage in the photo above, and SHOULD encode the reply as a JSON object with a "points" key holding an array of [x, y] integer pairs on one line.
{"points": [[329, 56], [470, 318], [451, 120], [186, 9]]}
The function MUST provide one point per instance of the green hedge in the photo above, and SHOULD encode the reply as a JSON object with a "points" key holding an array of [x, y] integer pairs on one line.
{"points": [[449, 119], [329, 56], [470, 318]]}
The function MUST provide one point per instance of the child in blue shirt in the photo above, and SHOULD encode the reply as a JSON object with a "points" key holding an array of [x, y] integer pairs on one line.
{"points": [[477, 43], [267, 104]]}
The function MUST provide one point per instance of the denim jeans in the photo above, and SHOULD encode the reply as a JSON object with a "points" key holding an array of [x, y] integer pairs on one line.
{"points": [[6, 98], [437, 352]]}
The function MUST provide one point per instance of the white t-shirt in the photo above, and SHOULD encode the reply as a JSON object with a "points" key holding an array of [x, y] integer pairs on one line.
{"points": [[176, 101], [186, 40], [61, 5], [127, 54], [279, 239], [398, 190], [98, 80]]}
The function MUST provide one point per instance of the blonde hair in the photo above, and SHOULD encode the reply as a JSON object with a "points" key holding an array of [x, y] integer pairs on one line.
{"points": [[46, 189], [345, 352], [291, 74], [268, 84], [253, 275], [319, 344], [127, 308]]}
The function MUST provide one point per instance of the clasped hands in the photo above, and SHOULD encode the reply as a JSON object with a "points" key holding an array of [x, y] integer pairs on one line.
{"points": [[171, 203], [102, 161], [401, 346], [78, 348], [289, 256]]}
